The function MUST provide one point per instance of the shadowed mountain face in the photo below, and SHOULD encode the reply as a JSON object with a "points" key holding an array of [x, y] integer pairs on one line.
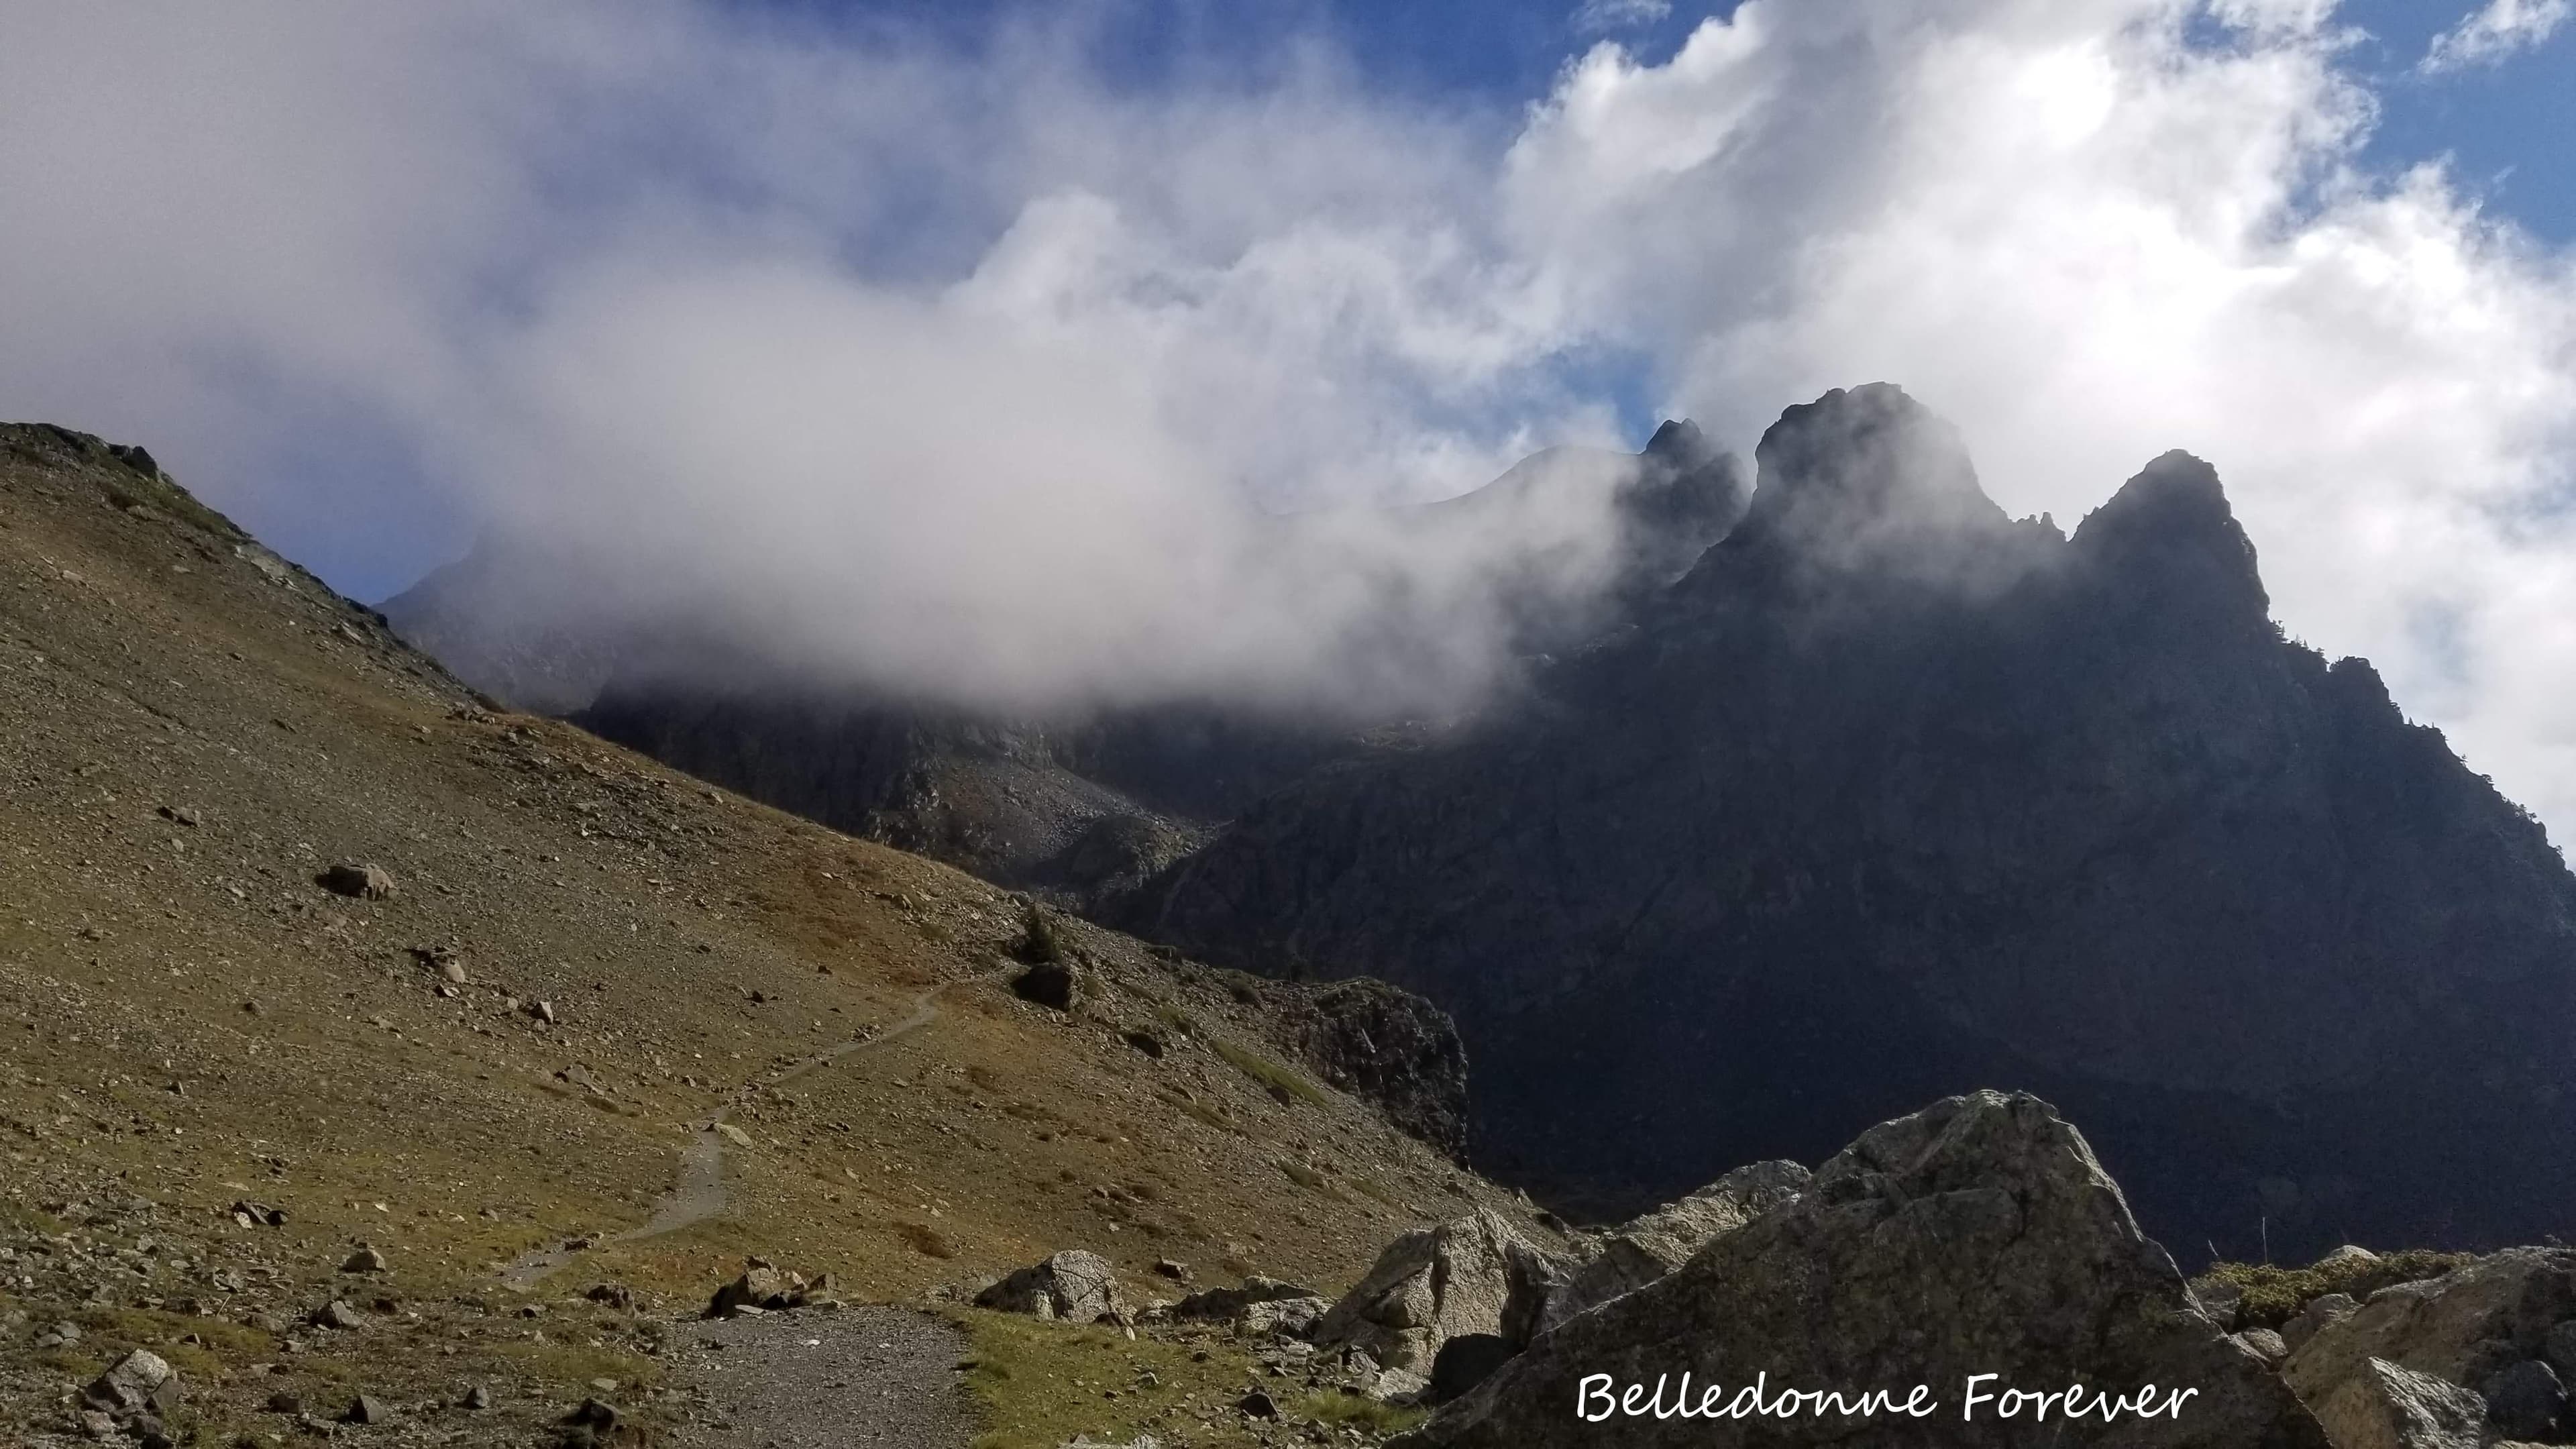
{"points": [[1893, 797]]}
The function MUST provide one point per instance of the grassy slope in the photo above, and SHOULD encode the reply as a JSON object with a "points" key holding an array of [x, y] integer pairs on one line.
{"points": [[187, 1019]]}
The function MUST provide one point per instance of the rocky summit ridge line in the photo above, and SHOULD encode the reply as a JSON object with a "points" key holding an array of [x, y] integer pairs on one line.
{"points": [[1894, 796]]}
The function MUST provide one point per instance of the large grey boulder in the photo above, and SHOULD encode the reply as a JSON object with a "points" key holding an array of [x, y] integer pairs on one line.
{"points": [[141, 1382], [2387, 1407], [2465, 1327], [1637, 1253], [1427, 1287], [1978, 1236], [1075, 1286]]}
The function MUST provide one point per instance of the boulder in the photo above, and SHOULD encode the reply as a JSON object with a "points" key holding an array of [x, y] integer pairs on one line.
{"points": [[2525, 1400], [1224, 1305], [2464, 1327], [359, 882], [1052, 984], [1284, 1317], [1426, 1287], [763, 1286], [1465, 1361], [2387, 1407], [1075, 1286], [2316, 1313], [141, 1382], [2267, 1344], [1978, 1236], [1637, 1253]]}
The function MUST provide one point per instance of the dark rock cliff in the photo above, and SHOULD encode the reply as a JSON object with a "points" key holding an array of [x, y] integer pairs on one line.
{"points": [[1893, 796]]}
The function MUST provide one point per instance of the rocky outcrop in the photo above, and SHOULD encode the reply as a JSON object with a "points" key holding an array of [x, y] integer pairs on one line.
{"points": [[2387, 1407], [1073, 1285], [2498, 1332], [1427, 1287], [1383, 1045], [1636, 1253], [1978, 1236], [1892, 795]]}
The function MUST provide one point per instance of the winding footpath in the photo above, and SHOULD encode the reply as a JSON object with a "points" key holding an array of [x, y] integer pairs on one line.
{"points": [[699, 1193]]}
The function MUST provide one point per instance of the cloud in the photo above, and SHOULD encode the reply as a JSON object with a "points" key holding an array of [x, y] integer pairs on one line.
{"points": [[2496, 33], [968, 370], [1598, 17]]}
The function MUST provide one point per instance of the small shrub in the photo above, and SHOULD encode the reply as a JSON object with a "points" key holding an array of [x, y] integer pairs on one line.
{"points": [[926, 1240], [1042, 941]]}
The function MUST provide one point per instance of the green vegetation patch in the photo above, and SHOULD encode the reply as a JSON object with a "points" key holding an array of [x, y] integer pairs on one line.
{"points": [[1037, 1383], [1337, 1407], [1279, 1081], [2274, 1295]]}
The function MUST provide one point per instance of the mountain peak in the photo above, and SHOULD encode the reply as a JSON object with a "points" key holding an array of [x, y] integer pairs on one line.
{"points": [[1864, 476], [2170, 531], [1680, 443]]}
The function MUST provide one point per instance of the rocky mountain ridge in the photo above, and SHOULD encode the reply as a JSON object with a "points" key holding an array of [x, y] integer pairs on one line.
{"points": [[1893, 795]]}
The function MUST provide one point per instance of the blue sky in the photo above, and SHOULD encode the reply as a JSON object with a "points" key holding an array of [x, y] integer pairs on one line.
{"points": [[2511, 126]]}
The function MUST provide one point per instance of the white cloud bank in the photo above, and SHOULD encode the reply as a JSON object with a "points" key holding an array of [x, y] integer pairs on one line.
{"points": [[962, 367], [2495, 33]]}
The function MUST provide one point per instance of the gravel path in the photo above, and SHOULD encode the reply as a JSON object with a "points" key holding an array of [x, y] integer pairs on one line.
{"points": [[816, 1379]]}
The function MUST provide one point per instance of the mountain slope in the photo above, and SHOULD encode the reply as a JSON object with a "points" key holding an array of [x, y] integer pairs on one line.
{"points": [[198, 730], [1893, 797]]}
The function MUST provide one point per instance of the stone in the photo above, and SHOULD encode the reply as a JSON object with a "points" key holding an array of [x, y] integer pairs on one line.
{"points": [[2525, 1400], [763, 1285], [338, 1314], [733, 1134], [1257, 1405], [2346, 1255], [543, 1011], [1177, 1271], [454, 972], [1426, 1287], [1223, 1305], [2558, 1348], [366, 1260], [2315, 1314], [2388, 1407], [1283, 1317], [1075, 1286], [1052, 984], [1637, 1253], [2462, 1327], [2219, 1299], [358, 882], [250, 1214], [2266, 1343], [368, 1409], [1466, 1360], [1977, 1236], [140, 1382], [477, 1398]]}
